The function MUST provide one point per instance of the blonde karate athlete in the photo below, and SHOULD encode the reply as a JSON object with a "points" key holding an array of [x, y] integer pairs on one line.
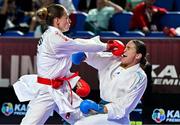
{"points": [[122, 84], [51, 88]]}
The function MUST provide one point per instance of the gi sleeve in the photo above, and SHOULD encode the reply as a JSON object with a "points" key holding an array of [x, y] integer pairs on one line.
{"points": [[62, 44], [99, 60]]}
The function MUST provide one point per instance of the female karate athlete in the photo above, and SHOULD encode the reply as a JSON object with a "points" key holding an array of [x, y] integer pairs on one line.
{"points": [[51, 88], [122, 84]]}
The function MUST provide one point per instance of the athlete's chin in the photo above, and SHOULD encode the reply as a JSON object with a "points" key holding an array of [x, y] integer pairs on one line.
{"points": [[65, 29]]}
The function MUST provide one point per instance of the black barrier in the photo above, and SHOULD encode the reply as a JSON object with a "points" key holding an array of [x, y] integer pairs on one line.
{"points": [[161, 106]]}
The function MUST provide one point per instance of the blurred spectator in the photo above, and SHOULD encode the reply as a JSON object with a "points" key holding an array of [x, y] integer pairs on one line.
{"points": [[131, 4], [172, 32], [42, 24], [3, 15], [35, 22], [68, 5], [145, 16], [86, 5], [12, 17], [45, 3], [178, 31], [98, 18]]}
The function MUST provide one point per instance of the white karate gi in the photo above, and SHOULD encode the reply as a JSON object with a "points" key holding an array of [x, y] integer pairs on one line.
{"points": [[53, 61], [123, 88]]}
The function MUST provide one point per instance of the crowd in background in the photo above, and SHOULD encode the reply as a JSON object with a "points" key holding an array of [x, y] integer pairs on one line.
{"points": [[21, 14]]}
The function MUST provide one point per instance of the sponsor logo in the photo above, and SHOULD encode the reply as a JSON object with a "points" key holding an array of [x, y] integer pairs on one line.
{"points": [[7, 108], [16, 109], [158, 115], [167, 76], [20, 109], [173, 116]]}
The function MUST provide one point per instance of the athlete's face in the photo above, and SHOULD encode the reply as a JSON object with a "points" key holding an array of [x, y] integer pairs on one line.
{"points": [[64, 22], [130, 57]]}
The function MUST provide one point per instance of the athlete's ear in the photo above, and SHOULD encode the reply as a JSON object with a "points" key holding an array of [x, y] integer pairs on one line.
{"points": [[138, 56], [56, 21]]}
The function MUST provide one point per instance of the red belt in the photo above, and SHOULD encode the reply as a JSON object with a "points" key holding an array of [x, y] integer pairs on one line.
{"points": [[55, 83], [58, 82]]}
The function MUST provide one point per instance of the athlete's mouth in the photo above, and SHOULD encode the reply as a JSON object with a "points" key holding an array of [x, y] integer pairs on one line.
{"points": [[123, 55]]}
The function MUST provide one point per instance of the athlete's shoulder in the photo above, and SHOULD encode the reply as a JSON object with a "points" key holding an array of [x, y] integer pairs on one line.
{"points": [[141, 75], [57, 33]]}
